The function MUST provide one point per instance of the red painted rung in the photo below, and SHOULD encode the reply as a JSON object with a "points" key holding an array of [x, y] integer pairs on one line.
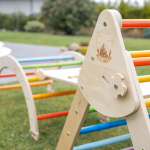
{"points": [[143, 61], [52, 115], [136, 23], [13, 74]]}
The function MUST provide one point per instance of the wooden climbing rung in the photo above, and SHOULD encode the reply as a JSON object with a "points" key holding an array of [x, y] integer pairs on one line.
{"points": [[36, 78], [6, 87], [46, 95], [135, 23], [142, 61], [143, 53], [13, 74], [59, 114]]}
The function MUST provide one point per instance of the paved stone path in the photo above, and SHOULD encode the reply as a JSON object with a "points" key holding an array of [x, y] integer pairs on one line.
{"points": [[26, 51]]}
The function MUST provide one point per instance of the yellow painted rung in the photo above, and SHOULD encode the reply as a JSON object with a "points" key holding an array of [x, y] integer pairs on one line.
{"points": [[147, 102], [145, 78], [36, 78]]}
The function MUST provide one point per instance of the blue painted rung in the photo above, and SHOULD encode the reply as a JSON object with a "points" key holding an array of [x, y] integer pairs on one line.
{"points": [[102, 126], [52, 58], [102, 143]]}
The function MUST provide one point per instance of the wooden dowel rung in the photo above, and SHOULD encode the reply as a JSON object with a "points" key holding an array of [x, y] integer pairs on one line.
{"points": [[36, 78], [141, 53], [142, 61], [46, 95], [6, 87], [136, 23]]}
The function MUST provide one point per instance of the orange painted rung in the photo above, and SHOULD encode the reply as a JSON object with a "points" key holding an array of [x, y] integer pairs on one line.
{"points": [[136, 23], [143, 53], [6, 87], [46, 95]]}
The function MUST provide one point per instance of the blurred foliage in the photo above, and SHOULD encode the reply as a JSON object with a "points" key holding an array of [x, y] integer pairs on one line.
{"points": [[34, 26], [18, 20], [76, 16], [6, 22], [15, 21], [69, 15], [128, 10], [146, 33]]}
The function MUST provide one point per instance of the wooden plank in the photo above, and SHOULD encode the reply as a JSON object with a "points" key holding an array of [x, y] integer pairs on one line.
{"points": [[74, 122], [65, 75]]}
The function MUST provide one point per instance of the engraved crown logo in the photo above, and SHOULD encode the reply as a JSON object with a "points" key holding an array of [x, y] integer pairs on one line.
{"points": [[104, 47]]}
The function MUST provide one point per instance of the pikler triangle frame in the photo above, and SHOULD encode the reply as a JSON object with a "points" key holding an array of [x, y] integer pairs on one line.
{"points": [[108, 82]]}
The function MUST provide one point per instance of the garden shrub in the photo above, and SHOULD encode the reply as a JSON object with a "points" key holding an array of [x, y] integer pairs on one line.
{"points": [[15, 21], [34, 26], [69, 15], [146, 33], [6, 22], [18, 20]]}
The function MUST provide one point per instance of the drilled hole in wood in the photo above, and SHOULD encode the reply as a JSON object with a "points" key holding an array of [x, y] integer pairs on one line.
{"points": [[106, 81]]}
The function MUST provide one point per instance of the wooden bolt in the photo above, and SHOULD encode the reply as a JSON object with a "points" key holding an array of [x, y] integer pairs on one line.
{"points": [[76, 111], [92, 57], [105, 24]]}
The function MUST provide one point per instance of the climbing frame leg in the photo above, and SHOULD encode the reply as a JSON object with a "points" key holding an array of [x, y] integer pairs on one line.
{"points": [[138, 122], [139, 128], [74, 122]]}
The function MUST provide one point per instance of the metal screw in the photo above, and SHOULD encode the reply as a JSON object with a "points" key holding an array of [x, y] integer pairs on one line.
{"points": [[82, 87], [105, 24], [68, 133], [76, 111], [115, 86], [92, 57]]}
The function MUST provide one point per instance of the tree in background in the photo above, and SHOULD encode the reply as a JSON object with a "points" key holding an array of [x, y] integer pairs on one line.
{"points": [[128, 10], [69, 15]]}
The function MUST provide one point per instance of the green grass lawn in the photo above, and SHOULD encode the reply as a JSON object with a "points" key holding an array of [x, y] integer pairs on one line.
{"points": [[14, 122], [62, 40], [14, 126]]}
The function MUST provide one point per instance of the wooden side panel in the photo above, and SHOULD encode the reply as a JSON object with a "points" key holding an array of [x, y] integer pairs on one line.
{"points": [[74, 122], [105, 57]]}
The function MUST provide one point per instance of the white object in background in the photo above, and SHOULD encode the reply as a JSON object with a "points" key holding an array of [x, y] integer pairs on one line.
{"points": [[4, 51], [1, 44]]}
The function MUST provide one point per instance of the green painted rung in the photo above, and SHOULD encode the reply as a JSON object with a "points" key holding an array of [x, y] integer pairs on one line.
{"points": [[59, 64], [91, 110]]}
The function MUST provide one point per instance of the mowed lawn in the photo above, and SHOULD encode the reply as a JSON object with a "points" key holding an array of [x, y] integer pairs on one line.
{"points": [[14, 122]]}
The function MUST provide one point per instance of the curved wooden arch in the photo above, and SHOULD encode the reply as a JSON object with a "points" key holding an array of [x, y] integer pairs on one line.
{"points": [[10, 62]]}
